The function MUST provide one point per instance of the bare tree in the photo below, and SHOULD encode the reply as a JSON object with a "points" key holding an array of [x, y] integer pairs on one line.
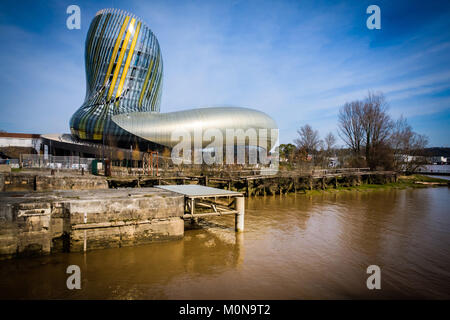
{"points": [[350, 126], [366, 126], [330, 141], [408, 147], [377, 126], [308, 139], [351, 131]]}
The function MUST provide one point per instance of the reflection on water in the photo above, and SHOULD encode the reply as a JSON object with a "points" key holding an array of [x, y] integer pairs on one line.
{"points": [[294, 247]]}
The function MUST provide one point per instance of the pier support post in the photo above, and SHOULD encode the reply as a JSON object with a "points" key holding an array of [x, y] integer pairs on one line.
{"points": [[240, 208]]}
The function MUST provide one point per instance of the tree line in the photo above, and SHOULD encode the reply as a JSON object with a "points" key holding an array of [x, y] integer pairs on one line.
{"points": [[372, 138]]}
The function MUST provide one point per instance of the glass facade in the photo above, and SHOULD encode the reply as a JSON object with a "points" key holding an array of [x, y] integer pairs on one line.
{"points": [[124, 72]]}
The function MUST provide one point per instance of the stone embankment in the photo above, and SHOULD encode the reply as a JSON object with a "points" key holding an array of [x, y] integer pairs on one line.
{"points": [[90, 212], [72, 221], [45, 181]]}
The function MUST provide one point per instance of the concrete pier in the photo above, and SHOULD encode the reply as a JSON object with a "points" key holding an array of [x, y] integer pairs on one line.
{"points": [[240, 215], [73, 221]]}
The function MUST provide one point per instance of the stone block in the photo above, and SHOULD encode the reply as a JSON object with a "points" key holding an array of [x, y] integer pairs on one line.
{"points": [[5, 168], [42, 223]]}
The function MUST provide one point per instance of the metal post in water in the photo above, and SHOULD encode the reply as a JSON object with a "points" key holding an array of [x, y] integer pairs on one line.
{"points": [[240, 208], [85, 236]]}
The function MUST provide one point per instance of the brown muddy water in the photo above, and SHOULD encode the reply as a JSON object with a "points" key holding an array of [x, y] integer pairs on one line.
{"points": [[294, 247]]}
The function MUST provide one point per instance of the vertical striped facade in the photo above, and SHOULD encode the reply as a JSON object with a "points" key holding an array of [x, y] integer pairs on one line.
{"points": [[124, 71]]}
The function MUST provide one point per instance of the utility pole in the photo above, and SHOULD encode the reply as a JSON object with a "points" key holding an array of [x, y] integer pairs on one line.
{"points": [[131, 156]]}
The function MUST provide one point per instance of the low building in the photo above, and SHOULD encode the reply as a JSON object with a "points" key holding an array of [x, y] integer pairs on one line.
{"points": [[10, 139], [333, 162], [14, 144], [438, 160]]}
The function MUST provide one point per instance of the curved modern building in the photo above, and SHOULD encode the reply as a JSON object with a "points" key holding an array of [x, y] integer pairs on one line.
{"points": [[124, 72], [124, 75], [165, 128]]}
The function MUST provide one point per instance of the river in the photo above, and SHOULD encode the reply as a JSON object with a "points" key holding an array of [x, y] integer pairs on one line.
{"points": [[294, 247]]}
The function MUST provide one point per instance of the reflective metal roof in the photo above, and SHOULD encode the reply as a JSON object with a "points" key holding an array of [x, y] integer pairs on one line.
{"points": [[160, 127]]}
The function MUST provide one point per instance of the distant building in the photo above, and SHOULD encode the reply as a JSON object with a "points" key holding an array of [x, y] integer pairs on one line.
{"points": [[20, 140], [333, 162], [406, 158], [438, 160]]}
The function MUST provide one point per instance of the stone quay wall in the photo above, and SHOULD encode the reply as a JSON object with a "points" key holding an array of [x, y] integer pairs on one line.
{"points": [[17, 181], [72, 221]]}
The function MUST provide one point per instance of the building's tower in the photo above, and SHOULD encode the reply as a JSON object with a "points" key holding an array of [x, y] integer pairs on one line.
{"points": [[124, 72]]}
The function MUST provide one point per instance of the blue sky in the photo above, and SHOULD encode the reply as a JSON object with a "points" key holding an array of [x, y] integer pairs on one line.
{"points": [[298, 61]]}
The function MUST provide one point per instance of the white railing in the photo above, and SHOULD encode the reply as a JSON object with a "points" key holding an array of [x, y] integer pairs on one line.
{"points": [[13, 163], [55, 162]]}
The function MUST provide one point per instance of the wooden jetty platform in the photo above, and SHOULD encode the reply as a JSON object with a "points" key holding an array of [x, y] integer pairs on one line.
{"points": [[202, 201], [260, 185]]}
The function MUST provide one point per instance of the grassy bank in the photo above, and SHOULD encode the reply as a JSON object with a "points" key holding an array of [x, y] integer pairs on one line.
{"points": [[403, 182]]}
